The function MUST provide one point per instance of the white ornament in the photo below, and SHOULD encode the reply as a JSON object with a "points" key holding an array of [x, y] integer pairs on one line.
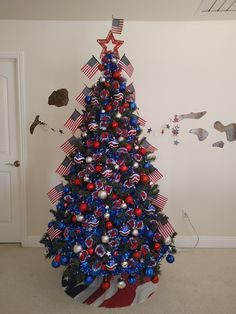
{"points": [[136, 165], [121, 284], [124, 264], [102, 194], [79, 218], [103, 111], [123, 205], [168, 240], [136, 147], [116, 167], [106, 207], [151, 183], [105, 239], [89, 159], [118, 115], [102, 79], [77, 248], [106, 215], [84, 134], [114, 60], [135, 232], [121, 139], [86, 179]]}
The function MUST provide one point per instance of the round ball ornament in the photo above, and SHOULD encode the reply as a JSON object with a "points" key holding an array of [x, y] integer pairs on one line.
{"points": [[57, 258], [155, 279], [90, 250], [128, 147], [98, 168], [109, 225], [170, 258], [135, 232], [77, 181], [77, 248], [131, 280], [123, 168], [108, 108], [157, 246], [136, 165], [55, 264], [106, 215], [129, 200], [88, 159], [102, 79], [88, 280], [118, 115], [102, 194], [138, 212], [83, 207], [121, 284], [64, 260], [124, 205], [149, 272], [142, 151], [121, 139], [96, 144], [133, 105], [84, 134], [116, 74], [124, 264], [137, 254], [79, 218], [86, 179], [144, 178], [114, 124], [114, 60], [168, 241], [90, 186], [105, 285], [105, 239], [126, 105], [88, 99], [101, 67], [136, 147]]}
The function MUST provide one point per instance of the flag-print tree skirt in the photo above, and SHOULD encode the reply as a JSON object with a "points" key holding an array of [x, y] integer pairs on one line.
{"points": [[110, 298]]}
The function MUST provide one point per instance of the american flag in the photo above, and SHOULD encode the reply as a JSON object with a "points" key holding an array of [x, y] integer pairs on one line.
{"points": [[55, 193], [64, 168], [126, 65], [74, 121], [112, 297], [145, 144], [160, 201], [91, 67], [166, 230], [140, 120], [130, 88], [53, 233], [68, 147], [155, 176], [117, 26], [85, 92]]}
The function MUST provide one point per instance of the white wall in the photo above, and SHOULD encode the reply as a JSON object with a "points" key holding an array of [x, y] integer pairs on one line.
{"points": [[179, 67]]}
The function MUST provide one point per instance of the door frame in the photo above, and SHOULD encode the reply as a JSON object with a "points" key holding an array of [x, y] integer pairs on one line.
{"points": [[18, 57]]}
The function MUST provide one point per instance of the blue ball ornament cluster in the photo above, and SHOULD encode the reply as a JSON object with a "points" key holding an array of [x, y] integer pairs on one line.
{"points": [[170, 258]]}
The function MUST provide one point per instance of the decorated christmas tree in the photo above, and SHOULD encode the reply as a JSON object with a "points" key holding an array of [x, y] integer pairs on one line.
{"points": [[108, 227]]}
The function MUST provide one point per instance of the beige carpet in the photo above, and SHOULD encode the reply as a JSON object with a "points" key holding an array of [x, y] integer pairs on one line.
{"points": [[200, 281]]}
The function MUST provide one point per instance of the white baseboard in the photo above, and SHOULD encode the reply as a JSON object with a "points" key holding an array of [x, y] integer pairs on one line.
{"points": [[220, 242]]}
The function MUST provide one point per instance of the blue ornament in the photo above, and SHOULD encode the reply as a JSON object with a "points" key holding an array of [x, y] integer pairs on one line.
{"points": [[138, 128], [66, 189], [149, 272], [50, 224], [55, 264], [88, 99], [109, 55], [88, 280], [170, 259], [73, 169], [61, 225], [59, 206], [122, 86], [64, 260], [150, 234], [147, 165], [131, 280], [133, 105], [133, 121]]}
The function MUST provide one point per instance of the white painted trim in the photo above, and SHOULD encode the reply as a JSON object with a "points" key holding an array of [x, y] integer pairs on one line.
{"points": [[218, 242], [19, 59]]}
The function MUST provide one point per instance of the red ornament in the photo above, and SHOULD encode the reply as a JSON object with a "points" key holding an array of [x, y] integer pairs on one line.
{"points": [[90, 186], [128, 147], [105, 285], [96, 144], [142, 151], [155, 279], [136, 254], [126, 105], [65, 204], [144, 178], [116, 74], [138, 212], [57, 258], [109, 225], [83, 207], [90, 250], [73, 218], [101, 67], [114, 124], [77, 181], [115, 253], [104, 267], [157, 246], [116, 84], [107, 84], [114, 196], [108, 108], [129, 200], [123, 168], [98, 168]]}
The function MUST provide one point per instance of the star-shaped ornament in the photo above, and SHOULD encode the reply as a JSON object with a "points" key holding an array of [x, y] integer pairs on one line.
{"points": [[149, 130], [176, 142], [110, 44]]}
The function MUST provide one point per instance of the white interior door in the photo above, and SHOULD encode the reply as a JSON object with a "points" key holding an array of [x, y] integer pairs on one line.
{"points": [[9, 153]]}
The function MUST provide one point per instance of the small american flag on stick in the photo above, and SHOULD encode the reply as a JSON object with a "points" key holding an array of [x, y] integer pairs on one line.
{"points": [[150, 148], [91, 67], [55, 193], [126, 65], [166, 230], [64, 168], [81, 97], [68, 147], [160, 201], [53, 233], [74, 121], [155, 176], [117, 26]]}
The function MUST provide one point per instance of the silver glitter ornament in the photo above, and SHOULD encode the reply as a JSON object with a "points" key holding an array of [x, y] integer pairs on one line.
{"points": [[123, 205], [86, 179], [84, 134], [106, 215], [103, 111], [106, 207], [102, 79], [105, 239], [168, 240], [151, 183], [79, 218], [136, 147], [118, 115], [114, 60], [136, 165], [116, 167], [77, 248], [121, 139], [121, 284], [89, 159], [124, 264], [135, 232], [102, 194]]}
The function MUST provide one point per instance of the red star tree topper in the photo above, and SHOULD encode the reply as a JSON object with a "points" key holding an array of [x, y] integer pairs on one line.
{"points": [[110, 39]]}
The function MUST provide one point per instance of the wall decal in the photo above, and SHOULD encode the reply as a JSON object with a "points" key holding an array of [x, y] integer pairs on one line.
{"points": [[191, 115], [201, 133], [230, 130], [219, 144], [59, 98], [39, 122]]}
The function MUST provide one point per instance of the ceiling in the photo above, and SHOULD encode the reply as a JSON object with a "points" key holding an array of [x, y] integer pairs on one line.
{"points": [[133, 10]]}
